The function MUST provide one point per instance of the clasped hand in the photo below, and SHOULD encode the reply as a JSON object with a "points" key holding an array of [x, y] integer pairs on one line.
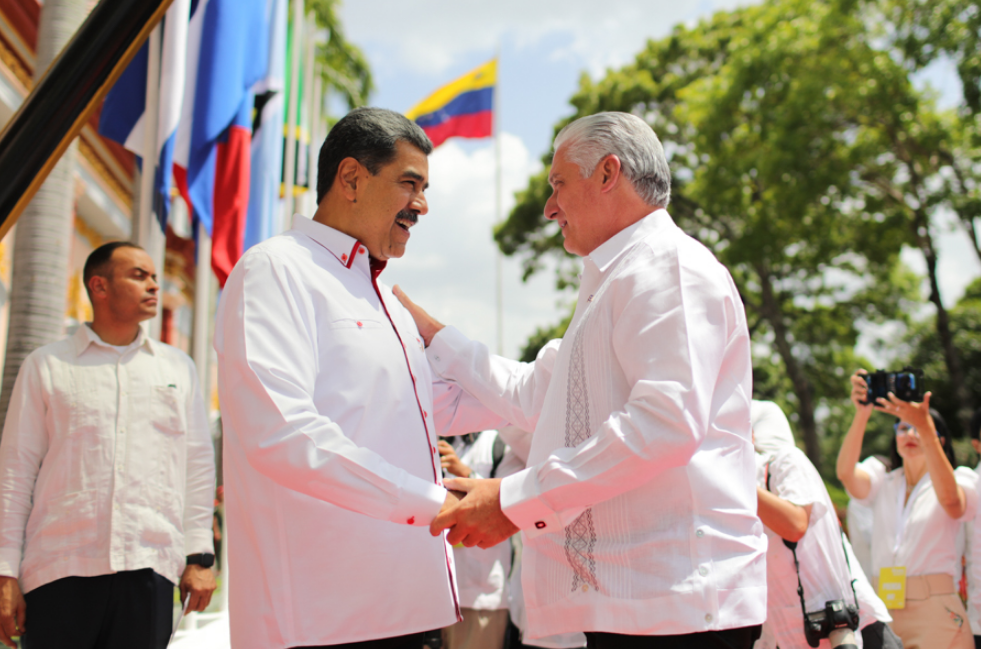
{"points": [[472, 514]]}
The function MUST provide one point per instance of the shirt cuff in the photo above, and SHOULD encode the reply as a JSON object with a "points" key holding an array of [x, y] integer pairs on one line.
{"points": [[520, 502], [419, 503], [10, 562], [444, 347], [199, 542]]}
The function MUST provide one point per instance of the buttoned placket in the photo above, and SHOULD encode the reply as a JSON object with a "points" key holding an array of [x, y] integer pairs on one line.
{"points": [[430, 436], [117, 531]]}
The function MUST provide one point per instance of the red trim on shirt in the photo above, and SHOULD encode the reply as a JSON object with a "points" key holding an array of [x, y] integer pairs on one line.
{"points": [[377, 266], [354, 251]]}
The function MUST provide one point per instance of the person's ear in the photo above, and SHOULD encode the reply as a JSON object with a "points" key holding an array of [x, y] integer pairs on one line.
{"points": [[609, 169], [348, 177], [98, 287]]}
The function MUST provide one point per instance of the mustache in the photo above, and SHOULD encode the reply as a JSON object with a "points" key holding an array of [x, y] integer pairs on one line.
{"points": [[408, 216]]}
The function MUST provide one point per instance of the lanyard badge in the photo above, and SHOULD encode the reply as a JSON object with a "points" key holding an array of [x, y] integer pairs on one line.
{"points": [[892, 586]]}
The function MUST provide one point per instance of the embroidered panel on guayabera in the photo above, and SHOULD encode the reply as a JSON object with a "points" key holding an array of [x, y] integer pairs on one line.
{"points": [[580, 535]]}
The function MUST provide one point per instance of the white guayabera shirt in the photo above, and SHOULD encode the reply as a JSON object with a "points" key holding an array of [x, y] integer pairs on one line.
{"points": [[106, 462], [638, 505], [332, 473]]}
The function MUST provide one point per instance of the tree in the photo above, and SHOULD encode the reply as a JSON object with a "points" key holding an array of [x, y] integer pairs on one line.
{"points": [[42, 243], [342, 64], [764, 111], [925, 352]]}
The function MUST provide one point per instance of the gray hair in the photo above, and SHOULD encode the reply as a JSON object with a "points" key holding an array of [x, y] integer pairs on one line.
{"points": [[629, 138]]}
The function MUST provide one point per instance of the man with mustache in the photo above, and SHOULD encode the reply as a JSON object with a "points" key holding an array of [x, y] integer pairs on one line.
{"points": [[331, 414]]}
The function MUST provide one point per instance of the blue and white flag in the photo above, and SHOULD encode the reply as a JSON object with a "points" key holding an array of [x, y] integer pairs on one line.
{"points": [[267, 135], [124, 111]]}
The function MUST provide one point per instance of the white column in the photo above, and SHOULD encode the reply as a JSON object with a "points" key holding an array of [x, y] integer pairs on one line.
{"points": [[146, 232], [201, 337]]}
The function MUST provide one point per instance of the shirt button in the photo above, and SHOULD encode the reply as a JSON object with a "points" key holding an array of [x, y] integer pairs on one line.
{"points": [[699, 533], [360, 251], [585, 588], [708, 617], [703, 571], [425, 414], [540, 525]]}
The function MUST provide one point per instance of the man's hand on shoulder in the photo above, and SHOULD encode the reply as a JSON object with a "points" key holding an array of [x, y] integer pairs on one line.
{"points": [[477, 520], [13, 611], [427, 325], [198, 583]]}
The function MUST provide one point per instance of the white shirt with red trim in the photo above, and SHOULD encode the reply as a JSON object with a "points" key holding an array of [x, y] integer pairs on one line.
{"points": [[332, 474], [638, 506]]}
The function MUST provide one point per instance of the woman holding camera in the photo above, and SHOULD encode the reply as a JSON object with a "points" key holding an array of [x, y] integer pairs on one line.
{"points": [[917, 510]]}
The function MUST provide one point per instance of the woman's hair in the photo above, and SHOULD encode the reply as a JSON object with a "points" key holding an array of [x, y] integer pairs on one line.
{"points": [[942, 433]]}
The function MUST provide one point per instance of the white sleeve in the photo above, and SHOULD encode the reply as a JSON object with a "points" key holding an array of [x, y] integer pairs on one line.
{"points": [[199, 488], [794, 479], [24, 445], [513, 390], [967, 479], [876, 471]]}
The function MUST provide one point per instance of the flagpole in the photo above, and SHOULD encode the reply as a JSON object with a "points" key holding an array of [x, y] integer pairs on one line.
{"points": [[499, 206], [289, 165], [316, 107], [310, 99], [147, 234]]}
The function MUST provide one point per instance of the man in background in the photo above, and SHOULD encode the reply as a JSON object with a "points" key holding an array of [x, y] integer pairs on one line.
{"points": [[107, 476]]}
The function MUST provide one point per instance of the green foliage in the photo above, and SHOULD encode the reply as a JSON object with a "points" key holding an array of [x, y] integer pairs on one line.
{"points": [[924, 30], [342, 64], [927, 355]]}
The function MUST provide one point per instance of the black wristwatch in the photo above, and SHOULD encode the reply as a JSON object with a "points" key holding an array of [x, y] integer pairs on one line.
{"points": [[205, 560]]}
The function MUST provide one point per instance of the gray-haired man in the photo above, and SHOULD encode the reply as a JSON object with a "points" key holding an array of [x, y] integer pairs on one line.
{"points": [[638, 505]]}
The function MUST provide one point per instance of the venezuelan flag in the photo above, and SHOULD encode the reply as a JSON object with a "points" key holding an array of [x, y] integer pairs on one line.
{"points": [[462, 108]]}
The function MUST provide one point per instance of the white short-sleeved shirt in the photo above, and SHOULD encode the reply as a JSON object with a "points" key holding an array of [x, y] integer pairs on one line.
{"points": [[824, 572], [918, 535]]}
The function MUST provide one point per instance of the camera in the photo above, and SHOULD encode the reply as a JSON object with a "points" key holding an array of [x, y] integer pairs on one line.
{"points": [[907, 385], [836, 615]]}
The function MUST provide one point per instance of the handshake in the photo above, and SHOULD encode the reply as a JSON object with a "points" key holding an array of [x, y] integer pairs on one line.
{"points": [[472, 509], [472, 513]]}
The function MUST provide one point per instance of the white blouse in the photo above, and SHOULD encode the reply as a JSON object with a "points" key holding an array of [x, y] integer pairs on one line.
{"points": [[918, 534]]}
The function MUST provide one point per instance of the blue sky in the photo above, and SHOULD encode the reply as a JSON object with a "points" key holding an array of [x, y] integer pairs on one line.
{"points": [[545, 46]]}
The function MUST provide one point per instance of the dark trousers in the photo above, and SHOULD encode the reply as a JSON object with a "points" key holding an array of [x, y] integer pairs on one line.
{"points": [[411, 641], [742, 638], [125, 610]]}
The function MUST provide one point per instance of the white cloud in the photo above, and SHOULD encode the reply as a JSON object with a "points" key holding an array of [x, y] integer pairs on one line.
{"points": [[449, 266], [430, 36]]}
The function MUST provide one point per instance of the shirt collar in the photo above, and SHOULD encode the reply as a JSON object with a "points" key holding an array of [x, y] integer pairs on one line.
{"points": [[611, 249], [85, 336], [348, 250]]}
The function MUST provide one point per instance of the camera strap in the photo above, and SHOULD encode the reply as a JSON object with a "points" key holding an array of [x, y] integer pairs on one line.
{"points": [[792, 546]]}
